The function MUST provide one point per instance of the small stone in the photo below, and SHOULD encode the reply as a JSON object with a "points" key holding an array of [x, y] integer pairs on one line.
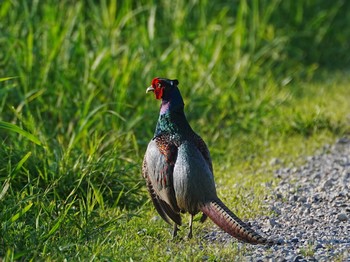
{"points": [[280, 259], [306, 212], [343, 140], [155, 218], [294, 240], [309, 158], [273, 222], [319, 246], [326, 184], [276, 210], [143, 231], [279, 241], [274, 161], [316, 198], [294, 170], [298, 258], [293, 198], [307, 205], [342, 217], [302, 199], [279, 196], [310, 221]]}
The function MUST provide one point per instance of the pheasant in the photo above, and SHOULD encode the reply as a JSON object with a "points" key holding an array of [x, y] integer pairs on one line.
{"points": [[178, 170]]}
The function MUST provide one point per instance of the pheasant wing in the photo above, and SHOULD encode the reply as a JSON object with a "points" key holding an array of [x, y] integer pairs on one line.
{"points": [[158, 171], [202, 147]]}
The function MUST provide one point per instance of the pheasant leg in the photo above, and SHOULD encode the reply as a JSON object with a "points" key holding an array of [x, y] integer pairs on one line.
{"points": [[190, 226], [175, 231]]}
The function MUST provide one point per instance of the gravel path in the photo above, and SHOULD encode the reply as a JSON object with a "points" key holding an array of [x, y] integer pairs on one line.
{"points": [[311, 208]]}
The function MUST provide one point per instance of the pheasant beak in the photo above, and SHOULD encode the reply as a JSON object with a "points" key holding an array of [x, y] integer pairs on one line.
{"points": [[149, 89]]}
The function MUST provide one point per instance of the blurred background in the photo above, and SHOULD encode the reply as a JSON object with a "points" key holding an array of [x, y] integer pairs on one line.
{"points": [[261, 80]]}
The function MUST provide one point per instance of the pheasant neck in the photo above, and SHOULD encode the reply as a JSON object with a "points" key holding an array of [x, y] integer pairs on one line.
{"points": [[172, 118], [171, 101]]}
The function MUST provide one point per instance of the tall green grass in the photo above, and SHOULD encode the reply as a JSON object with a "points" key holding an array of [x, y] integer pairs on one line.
{"points": [[75, 120]]}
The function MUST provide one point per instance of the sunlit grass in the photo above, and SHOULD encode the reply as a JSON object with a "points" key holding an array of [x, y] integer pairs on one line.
{"points": [[75, 119]]}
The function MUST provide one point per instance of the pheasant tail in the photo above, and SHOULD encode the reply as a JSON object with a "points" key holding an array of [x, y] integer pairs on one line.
{"points": [[229, 222]]}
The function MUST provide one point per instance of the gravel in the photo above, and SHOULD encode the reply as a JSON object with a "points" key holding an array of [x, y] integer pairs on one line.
{"points": [[311, 211]]}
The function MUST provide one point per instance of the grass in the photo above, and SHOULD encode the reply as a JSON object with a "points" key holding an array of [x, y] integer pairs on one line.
{"points": [[75, 119]]}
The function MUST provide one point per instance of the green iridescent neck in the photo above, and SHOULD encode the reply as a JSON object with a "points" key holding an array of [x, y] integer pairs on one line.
{"points": [[173, 122]]}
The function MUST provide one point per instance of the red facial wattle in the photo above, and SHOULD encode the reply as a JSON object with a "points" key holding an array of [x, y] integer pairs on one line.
{"points": [[158, 91], [158, 88]]}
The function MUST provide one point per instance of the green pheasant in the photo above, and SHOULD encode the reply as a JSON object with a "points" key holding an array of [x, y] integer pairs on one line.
{"points": [[178, 170]]}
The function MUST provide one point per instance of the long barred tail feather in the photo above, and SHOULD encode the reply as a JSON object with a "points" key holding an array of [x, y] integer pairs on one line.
{"points": [[230, 223]]}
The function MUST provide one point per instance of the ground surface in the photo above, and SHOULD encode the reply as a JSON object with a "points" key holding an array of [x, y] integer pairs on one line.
{"points": [[311, 208]]}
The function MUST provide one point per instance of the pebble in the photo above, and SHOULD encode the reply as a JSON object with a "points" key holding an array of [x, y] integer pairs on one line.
{"points": [[294, 240], [342, 217], [310, 210], [319, 246], [274, 162]]}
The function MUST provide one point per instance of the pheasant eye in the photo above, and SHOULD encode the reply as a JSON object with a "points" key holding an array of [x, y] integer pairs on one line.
{"points": [[159, 85]]}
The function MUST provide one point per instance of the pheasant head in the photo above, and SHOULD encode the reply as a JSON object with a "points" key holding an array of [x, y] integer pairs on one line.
{"points": [[168, 92], [162, 87]]}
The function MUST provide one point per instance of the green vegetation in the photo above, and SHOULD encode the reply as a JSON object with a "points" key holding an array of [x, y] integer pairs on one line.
{"points": [[261, 80]]}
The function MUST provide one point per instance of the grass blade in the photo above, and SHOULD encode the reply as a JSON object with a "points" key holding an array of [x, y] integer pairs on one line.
{"points": [[17, 129], [21, 213], [21, 162], [2, 79], [60, 220], [5, 187]]}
